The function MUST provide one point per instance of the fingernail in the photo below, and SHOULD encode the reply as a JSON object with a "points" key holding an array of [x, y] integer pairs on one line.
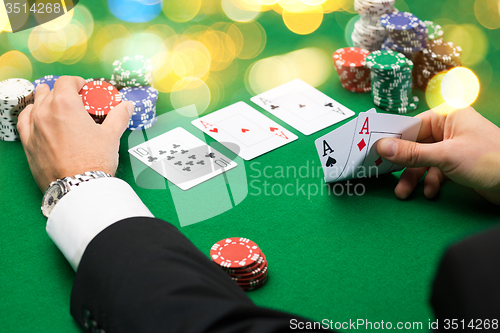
{"points": [[388, 147], [130, 108]]}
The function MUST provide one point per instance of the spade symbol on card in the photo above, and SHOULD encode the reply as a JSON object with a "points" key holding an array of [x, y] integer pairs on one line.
{"points": [[331, 161], [273, 107], [301, 106]]}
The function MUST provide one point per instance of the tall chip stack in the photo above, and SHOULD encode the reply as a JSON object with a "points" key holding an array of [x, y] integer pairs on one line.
{"points": [[407, 33], [391, 76], [350, 64], [368, 33], [437, 57], [434, 31], [133, 76], [15, 95]]}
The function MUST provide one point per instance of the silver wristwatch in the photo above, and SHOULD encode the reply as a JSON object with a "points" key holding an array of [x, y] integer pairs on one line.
{"points": [[59, 188]]}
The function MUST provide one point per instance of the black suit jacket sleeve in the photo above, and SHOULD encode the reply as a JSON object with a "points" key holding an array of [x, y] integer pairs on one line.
{"points": [[142, 275], [467, 285]]}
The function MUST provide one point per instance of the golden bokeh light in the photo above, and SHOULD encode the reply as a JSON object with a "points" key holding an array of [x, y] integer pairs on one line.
{"points": [[433, 94], [460, 87], [15, 64], [471, 39], [195, 57], [254, 39], [165, 33], [303, 21], [166, 65], [47, 46], [110, 41], [240, 11], [147, 44], [217, 92], [84, 16], [189, 91], [487, 13], [181, 11], [266, 74], [330, 6]]}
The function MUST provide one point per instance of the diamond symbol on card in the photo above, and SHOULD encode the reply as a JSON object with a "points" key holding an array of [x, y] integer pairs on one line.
{"points": [[361, 144], [379, 161]]}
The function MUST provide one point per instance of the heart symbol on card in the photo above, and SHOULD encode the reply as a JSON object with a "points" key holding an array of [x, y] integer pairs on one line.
{"points": [[214, 130], [244, 130], [273, 129]]}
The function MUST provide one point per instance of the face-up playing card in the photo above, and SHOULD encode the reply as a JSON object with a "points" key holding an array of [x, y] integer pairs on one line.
{"points": [[334, 150], [182, 158], [372, 127], [244, 130], [359, 157], [302, 106]]}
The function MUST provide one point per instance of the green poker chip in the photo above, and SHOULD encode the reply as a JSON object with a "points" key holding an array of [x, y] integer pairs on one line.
{"points": [[386, 60], [435, 31]]}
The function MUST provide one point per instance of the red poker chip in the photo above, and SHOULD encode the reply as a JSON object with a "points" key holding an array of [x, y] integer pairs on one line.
{"points": [[235, 253], [259, 263], [253, 286], [350, 57], [259, 277], [99, 97], [251, 272]]}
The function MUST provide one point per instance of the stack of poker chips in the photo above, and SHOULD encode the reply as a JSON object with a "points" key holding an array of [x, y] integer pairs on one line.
{"points": [[437, 57], [242, 260], [407, 33], [15, 95], [391, 75], [368, 33], [434, 31], [132, 71], [99, 97], [350, 64], [144, 99], [112, 82]]}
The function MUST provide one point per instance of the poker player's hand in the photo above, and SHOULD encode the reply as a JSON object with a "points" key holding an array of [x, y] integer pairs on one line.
{"points": [[60, 139], [462, 146]]}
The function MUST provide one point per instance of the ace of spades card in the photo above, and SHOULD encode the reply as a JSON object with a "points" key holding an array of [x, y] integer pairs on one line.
{"points": [[182, 158]]}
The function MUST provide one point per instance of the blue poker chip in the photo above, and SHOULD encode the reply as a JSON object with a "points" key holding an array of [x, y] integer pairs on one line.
{"points": [[143, 96], [143, 117], [49, 80], [145, 125], [399, 21]]}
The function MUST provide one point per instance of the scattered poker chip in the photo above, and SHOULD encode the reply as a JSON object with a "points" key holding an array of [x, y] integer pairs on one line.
{"points": [[350, 64], [15, 95], [49, 80], [391, 81], [242, 260], [99, 97], [368, 32]]}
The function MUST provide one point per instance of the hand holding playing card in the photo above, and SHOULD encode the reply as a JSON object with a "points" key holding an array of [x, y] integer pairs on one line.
{"points": [[461, 145]]}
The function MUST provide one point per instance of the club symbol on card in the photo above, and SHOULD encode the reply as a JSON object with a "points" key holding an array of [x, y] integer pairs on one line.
{"points": [[193, 157], [379, 161], [189, 163], [184, 151], [273, 107], [244, 130], [201, 162], [178, 163], [215, 130], [329, 104], [170, 158], [186, 169], [301, 106], [331, 161], [172, 152], [152, 159], [210, 155], [361, 144], [176, 146], [162, 152]]}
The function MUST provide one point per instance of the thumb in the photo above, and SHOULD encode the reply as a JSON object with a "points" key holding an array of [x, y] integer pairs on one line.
{"points": [[410, 154], [118, 118]]}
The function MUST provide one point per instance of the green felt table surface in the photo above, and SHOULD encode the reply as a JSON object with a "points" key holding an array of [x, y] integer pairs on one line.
{"points": [[340, 258]]}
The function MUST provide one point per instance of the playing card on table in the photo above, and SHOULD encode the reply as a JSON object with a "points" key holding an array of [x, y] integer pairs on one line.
{"points": [[302, 106], [182, 158], [244, 130], [363, 159]]}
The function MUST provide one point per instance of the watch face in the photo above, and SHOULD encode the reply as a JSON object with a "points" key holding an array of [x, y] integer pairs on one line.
{"points": [[54, 193]]}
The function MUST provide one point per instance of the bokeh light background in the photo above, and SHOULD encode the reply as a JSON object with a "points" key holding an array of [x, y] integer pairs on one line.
{"points": [[212, 53]]}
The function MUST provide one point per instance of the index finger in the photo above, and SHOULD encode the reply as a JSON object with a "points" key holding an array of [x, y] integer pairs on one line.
{"points": [[68, 85]]}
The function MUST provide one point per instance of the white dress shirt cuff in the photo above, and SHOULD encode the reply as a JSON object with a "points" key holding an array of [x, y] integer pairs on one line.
{"points": [[88, 209]]}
